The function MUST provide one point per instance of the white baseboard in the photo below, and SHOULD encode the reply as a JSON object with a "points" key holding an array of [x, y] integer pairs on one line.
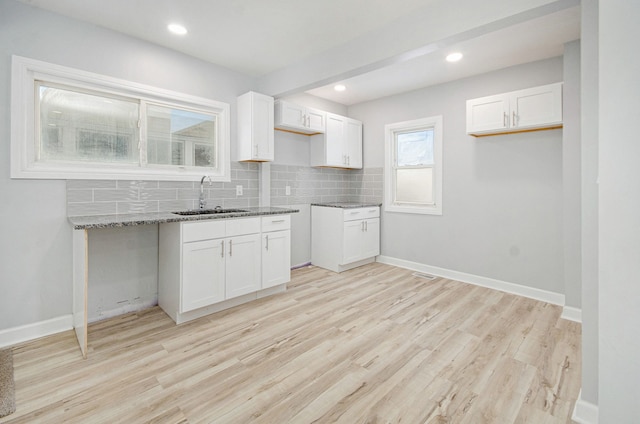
{"points": [[572, 314], [530, 292], [23, 333], [584, 412]]}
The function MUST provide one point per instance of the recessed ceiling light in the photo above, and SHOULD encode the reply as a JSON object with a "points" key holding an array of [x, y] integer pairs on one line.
{"points": [[454, 57], [339, 87], [177, 29]]}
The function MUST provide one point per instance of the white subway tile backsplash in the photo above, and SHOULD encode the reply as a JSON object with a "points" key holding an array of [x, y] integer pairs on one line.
{"points": [[115, 195], [307, 185], [80, 195], [137, 207], [92, 208]]}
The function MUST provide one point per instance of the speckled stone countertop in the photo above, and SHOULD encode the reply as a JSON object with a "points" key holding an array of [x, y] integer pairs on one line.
{"points": [[346, 205], [125, 220]]}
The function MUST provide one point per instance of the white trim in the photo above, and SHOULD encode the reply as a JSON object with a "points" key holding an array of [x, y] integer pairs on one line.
{"points": [[572, 314], [24, 333], [520, 290], [584, 412], [24, 73], [389, 162]]}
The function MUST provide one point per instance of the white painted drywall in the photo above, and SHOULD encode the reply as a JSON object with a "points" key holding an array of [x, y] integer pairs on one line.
{"points": [[35, 247], [571, 175], [502, 207], [619, 212], [439, 24], [589, 209]]}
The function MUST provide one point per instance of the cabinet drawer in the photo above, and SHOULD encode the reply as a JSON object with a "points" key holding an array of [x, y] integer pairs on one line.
{"points": [[276, 223], [237, 227], [361, 213], [203, 230]]}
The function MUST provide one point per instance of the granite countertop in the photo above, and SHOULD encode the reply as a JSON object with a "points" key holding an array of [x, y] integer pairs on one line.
{"points": [[347, 205], [125, 220]]}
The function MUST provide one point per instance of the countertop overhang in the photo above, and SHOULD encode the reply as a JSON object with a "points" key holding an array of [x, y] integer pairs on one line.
{"points": [[125, 220]]}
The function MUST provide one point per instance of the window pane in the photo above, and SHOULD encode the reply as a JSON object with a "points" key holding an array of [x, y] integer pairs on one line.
{"points": [[76, 126], [415, 148], [180, 137], [414, 186]]}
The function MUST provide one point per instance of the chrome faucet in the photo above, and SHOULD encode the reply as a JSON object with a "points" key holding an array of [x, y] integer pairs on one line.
{"points": [[203, 203]]}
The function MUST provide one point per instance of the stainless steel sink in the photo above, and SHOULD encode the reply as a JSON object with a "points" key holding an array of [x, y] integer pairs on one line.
{"points": [[208, 211]]}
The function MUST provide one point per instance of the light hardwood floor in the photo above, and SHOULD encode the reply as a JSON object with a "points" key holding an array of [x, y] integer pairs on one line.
{"points": [[371, 345]]}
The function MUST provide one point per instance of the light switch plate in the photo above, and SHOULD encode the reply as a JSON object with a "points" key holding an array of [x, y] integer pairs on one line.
{"points": [[238, 190]]}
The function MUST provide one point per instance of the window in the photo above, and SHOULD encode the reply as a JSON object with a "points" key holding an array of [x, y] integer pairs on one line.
{"points": [[70, 124], [413, 162]]}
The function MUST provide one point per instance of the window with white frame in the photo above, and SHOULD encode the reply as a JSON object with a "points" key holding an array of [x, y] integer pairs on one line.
{"points": [[413, 166], [69, 124]]}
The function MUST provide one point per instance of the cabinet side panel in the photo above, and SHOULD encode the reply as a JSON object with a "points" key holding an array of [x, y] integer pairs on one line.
{"points": [[244, 129], [169, 268]]}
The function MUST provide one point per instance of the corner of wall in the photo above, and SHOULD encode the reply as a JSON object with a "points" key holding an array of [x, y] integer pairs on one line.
{"points": [[584, 412]]}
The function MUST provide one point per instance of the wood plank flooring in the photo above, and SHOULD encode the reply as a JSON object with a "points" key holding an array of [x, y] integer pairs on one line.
{"points": [[370, 345]]}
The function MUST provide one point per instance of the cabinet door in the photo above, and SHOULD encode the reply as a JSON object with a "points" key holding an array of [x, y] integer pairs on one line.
{"points": [[537, 107], [255, 127], [371, 238], [203, 272], [242, 265], [262, 127], [291, 115], [276, 258], [352, 241], [316, 120], [353, 143], [488, 114], [334, 141]]}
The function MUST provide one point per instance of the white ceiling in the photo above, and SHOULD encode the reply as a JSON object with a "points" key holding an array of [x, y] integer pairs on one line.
{"points": [[259, 37]]}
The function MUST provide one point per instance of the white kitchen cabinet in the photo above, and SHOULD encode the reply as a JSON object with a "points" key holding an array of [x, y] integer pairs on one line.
{"points": [[296, 118], [276, 250], [341, 144], [523, 110], [207, 263], [344, 238], [255, 127]]}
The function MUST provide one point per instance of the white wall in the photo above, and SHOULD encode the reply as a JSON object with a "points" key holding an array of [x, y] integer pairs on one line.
{"points": [[571, 175], [502, 206], [589, 159], [35, 247], [619, 213]]}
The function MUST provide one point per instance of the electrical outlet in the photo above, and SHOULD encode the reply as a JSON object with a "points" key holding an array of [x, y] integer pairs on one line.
{"points": [[238, 190], [287, 190]]}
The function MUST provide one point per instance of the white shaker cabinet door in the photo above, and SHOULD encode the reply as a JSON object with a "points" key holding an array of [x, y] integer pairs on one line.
{"points": [[371, 238], [352, 241], [203, 271], [537, 107], [488, 114], [243, 265], [276, 258]]}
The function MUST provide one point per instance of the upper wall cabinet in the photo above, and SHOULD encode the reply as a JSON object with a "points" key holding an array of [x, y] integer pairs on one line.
{"points": [[341, 144], [299, 119], [518, 111], [255, 127]]}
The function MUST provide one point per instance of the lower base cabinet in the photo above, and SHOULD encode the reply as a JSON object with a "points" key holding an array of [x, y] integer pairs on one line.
{"points": [[211, 265], [343, 238]]}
